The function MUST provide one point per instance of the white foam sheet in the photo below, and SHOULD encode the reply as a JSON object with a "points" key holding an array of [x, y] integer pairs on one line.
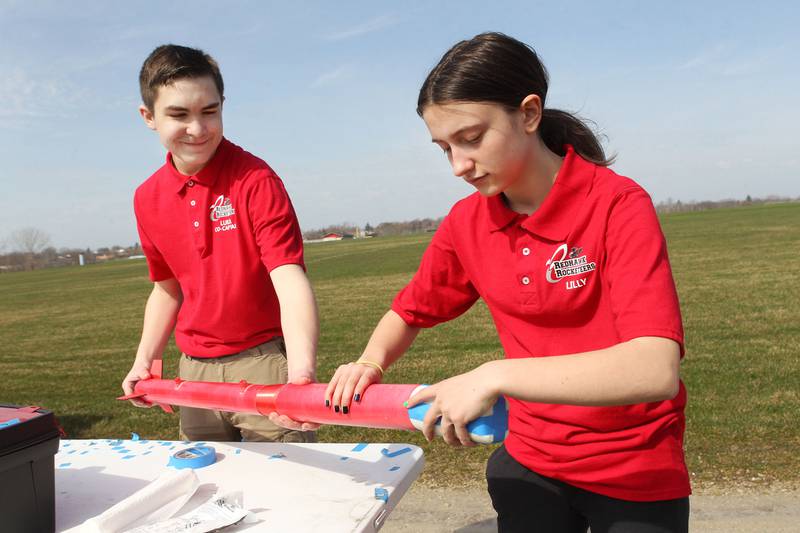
{"points": [[287, 487]]}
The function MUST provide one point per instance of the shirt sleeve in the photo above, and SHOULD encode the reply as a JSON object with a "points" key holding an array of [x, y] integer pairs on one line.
{"points": [[156, 264], [275, 224], [440, 290], [643, 296]]}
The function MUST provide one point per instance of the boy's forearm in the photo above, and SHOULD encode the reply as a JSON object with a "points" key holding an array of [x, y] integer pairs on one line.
{"points": [[299, 320], [160, 314], [301, 347], [300, 326]]}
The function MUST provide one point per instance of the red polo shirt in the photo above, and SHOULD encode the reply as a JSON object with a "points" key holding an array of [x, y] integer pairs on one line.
{"points": [[586, 271], [220, 233]]}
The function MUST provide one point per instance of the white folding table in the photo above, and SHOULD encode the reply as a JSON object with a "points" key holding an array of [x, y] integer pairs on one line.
{"points": [[288, 487]]}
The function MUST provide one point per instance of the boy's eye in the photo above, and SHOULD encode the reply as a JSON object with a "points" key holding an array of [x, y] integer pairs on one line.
{"points": [[473, 140], [177, 115]]}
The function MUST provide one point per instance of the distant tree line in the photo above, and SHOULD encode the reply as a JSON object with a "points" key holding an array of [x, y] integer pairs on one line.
{"points": [[31, 248], [384, 229], [343, 228], [677, 206], [421, 225]]}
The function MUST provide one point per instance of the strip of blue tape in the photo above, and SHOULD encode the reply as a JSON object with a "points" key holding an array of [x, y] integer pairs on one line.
{"points": [[386, 453], [9, 422]]}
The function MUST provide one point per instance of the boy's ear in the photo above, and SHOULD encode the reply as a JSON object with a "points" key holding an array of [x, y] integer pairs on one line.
{"points": [[531, 108], [148, 117]]}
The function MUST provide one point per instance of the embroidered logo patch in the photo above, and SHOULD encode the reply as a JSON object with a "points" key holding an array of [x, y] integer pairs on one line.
{"points": [[223, 210], [564, 264]]}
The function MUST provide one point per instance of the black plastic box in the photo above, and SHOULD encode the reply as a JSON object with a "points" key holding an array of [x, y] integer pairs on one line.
{"points": [[28, 443]]}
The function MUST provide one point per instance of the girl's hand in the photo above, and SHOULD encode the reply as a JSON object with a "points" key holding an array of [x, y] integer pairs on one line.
{"points": [[458, 401], [349, 383]]}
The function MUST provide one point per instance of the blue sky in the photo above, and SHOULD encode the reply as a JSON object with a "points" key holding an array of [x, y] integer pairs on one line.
{"points": [[698, 99]]}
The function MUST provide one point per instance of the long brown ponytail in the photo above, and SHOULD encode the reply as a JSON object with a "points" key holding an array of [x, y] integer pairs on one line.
{"points": [[493, 67]]}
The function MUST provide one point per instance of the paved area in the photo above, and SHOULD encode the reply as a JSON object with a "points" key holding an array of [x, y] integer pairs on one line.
{"points": [[429, 510]]}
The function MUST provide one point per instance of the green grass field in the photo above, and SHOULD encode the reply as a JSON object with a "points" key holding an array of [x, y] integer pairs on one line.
{"points": [[69, 335]]}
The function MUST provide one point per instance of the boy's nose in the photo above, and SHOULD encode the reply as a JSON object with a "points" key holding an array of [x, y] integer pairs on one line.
{"points": [[195, 128]]}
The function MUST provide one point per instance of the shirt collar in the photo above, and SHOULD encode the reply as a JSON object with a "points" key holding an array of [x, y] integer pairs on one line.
{"points": [[208, 174], [553, 220]]}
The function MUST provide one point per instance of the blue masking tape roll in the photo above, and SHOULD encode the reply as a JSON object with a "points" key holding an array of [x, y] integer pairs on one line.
{"points": [[194, 457]]}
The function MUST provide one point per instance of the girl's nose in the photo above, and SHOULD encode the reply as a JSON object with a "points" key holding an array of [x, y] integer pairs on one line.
{"points": [[462, 165]]}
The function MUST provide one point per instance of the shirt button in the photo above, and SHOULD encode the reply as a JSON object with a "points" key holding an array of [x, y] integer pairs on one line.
{"points": [[526, 251], [525, 280], [192, 203], [190, 183], [196, 224]]}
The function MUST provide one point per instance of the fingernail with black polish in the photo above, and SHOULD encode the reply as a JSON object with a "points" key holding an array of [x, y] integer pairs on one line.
{"points": [[327, 403], [336, 408], [344, 410], [357, 397]]}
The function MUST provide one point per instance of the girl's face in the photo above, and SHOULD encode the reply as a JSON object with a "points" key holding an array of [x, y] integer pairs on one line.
{"points": [[488, 146]]}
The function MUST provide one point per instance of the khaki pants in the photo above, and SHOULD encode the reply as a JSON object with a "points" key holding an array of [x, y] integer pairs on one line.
{"points": [[264, 364]]}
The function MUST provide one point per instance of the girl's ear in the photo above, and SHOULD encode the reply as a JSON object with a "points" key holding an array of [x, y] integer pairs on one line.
{"points": [[531, 108]]}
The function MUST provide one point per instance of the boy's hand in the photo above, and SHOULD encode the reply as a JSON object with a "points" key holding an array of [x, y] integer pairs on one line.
{"points": [[288, 423], [138, 372], [301, 376]]}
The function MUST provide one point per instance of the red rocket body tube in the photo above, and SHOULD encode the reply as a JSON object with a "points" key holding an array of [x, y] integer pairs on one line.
{"points": [[381, 405]]}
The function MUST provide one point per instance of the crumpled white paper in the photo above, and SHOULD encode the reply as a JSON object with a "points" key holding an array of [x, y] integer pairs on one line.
{"points": [[215, 514], [155, 502]]}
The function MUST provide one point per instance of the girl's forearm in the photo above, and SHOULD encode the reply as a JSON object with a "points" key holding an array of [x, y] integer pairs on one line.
{"points": [[641, 370], [390, 340]]}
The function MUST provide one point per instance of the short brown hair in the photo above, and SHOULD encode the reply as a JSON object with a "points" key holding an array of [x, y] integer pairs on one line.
{"points": [[171, 62]]}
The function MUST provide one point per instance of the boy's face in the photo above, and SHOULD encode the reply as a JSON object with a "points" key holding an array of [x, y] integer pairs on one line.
{"points": [[187, 115]]}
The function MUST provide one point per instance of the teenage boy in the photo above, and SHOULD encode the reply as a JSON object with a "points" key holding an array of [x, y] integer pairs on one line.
{"points": [[225, 253]]}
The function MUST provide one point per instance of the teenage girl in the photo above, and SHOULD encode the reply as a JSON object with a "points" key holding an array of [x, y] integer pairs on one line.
{"points": [[570, 259]]}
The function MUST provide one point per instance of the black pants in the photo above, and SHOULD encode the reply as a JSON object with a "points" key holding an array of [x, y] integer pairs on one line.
{"points": [[526, 501]]}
